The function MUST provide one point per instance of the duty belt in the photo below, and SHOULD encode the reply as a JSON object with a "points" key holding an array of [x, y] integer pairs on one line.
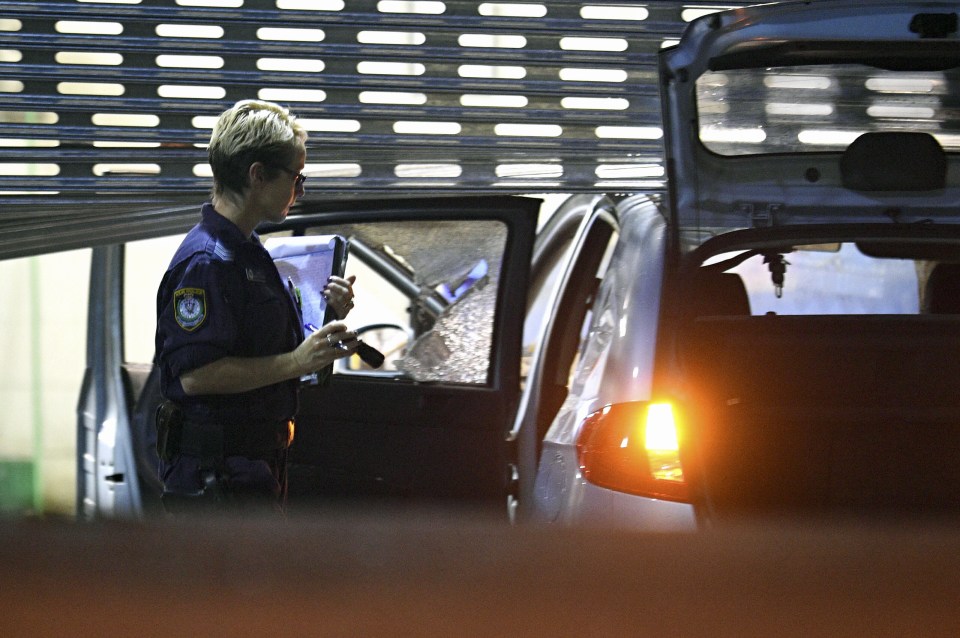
{"points": [[207, 440]]}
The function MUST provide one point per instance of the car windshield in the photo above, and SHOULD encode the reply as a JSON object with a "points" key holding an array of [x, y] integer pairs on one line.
{"points": [[817, 108], [828, 279]]}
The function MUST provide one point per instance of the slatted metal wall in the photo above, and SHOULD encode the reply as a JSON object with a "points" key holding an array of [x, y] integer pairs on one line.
{"points": [[105, 107]]}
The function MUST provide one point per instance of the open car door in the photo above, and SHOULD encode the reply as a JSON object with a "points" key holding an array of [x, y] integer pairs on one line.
{"points": [[441, 290]]}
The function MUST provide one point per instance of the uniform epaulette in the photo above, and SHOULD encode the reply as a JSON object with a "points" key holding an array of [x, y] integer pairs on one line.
{"points": [[222, 252]]}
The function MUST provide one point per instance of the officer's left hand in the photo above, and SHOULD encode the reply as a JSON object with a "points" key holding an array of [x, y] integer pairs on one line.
{"points": [[339, 294]]}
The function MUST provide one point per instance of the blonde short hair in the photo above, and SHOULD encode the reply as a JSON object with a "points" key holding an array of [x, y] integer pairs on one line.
{"points": [[252, 131]]}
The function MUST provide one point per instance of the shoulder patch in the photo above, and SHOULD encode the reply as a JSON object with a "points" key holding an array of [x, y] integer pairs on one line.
{"points": [[190, 307]]}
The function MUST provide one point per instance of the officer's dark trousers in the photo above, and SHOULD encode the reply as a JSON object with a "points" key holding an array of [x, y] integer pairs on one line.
{"points": [[235, 485]]}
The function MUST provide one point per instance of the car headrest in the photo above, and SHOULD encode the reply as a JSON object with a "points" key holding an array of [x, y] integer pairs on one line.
{"points": [[941, 296], [889, 161], [719, 293]]}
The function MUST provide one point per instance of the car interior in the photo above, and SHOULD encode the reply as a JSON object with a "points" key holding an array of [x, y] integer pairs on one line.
{"points": [[834, 390]]}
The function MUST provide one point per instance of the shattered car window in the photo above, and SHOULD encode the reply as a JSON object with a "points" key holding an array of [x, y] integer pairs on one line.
{"points": [[435, 280]]}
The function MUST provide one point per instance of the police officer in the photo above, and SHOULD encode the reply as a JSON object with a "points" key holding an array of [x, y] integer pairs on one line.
{"points": [[229, 339]]}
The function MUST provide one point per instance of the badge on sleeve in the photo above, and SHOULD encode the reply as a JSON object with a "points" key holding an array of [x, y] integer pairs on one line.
{"points": [[190, 307]]}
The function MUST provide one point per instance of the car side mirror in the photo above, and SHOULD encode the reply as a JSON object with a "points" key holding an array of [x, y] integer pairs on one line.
{"points": [[390, 339]]}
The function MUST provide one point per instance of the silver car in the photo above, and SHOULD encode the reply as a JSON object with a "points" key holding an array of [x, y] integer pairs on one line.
{"points": [[780, 337]]}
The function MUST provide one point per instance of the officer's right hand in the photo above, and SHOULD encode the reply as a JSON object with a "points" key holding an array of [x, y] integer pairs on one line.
{"points": [[331, 342]]}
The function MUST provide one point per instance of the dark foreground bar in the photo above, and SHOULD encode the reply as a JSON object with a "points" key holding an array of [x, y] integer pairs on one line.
{"points": [[438, 575]]}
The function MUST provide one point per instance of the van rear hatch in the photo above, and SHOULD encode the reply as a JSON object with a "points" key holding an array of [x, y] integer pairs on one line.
{"points": [[775, 97], [824, 129]]}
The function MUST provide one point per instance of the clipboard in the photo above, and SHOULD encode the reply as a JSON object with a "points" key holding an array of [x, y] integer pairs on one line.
{"points": [[305, 263]]}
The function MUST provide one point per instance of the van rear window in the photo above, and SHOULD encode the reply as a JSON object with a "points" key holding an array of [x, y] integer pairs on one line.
{"points": [[807, 109]]}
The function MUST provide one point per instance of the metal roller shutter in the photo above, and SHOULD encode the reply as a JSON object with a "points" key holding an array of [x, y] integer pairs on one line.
{"points": [[105, 107]]}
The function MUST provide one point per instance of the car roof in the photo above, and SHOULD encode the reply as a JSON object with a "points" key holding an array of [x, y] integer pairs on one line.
{"points": [[880, 161]]}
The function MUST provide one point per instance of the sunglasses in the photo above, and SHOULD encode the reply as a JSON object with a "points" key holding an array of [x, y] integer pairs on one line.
{"points": [[300, 178]]}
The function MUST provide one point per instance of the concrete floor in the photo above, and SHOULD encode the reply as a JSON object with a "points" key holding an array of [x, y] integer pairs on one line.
{"points": [[437, 575]]}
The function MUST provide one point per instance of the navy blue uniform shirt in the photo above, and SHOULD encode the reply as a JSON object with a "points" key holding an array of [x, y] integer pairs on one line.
{"points": [[223, 297]]}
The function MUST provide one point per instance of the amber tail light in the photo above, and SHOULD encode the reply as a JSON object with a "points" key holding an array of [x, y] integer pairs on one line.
{"points": [[635, 448]]}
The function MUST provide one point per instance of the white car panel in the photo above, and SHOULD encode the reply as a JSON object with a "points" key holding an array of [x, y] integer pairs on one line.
{"points": [[616, 365]]}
